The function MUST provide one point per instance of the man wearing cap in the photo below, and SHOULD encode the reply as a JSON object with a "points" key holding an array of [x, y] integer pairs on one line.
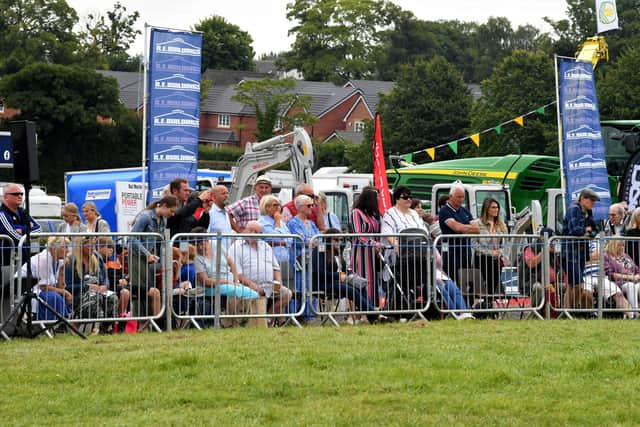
{"points": [[13, 223], [317, 212], [248, 209], [578, 222]]}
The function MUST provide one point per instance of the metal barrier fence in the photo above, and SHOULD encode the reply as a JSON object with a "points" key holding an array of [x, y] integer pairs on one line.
{"points": [[370, 275], [7, 290], [598, 277], [228, 279], [90, 278], [500, 275]]}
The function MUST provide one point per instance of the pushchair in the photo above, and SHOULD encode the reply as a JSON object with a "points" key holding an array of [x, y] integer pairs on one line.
{"points": [[406, 274]]}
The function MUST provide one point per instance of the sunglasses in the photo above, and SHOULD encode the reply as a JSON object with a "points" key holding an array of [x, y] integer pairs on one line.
{"points": [[309, 206], [405, 196], [16, 194]]}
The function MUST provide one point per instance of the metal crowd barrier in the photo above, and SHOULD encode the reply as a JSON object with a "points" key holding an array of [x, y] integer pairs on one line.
{"points": [[368, 275], [497, 275], [7, 289], [97, 278], [230, 279]]}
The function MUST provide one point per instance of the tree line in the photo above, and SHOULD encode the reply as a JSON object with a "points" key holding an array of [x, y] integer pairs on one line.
{"points": [[48, 61]]}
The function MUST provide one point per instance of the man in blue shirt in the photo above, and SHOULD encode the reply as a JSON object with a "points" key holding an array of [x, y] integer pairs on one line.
{"points": [[454, 218], [219, 221], [13, 223]]}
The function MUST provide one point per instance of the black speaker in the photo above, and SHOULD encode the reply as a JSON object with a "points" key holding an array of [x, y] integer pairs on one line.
{"points": [[25, 151]]}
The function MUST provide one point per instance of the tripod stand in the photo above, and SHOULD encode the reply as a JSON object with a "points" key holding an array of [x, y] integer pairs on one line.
{"points": [[22, 310]]}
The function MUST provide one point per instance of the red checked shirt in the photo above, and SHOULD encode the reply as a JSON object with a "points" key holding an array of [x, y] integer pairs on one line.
{"points": [[245, 210]]}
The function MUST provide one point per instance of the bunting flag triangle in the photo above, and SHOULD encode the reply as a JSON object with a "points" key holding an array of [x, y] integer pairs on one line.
{"points": [[408, 157], [454, 146], [431, 152], [498, 129], [519, 120], [476, 139], [540, 111]]}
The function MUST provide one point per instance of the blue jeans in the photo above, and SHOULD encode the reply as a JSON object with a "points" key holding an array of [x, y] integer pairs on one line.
{"points": [[57, 302], [452, 295]]}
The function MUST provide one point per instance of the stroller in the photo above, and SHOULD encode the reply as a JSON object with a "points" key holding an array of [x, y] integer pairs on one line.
{"points": [[406, 274]]}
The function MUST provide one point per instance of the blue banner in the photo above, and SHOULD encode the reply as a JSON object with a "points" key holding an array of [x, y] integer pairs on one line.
{"points": [[174, 108], [582, 147], [6, 150]]}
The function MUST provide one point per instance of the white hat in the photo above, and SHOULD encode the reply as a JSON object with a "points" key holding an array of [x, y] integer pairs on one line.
{"points": [[263, 179]]}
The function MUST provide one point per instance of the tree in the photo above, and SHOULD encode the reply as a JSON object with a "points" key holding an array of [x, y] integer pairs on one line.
{"points": [[271, 99], [225, 46], [337, 40], [619, 89], [428, 106], [66, 103], [522, 82], [106, 41], [36, 30]]}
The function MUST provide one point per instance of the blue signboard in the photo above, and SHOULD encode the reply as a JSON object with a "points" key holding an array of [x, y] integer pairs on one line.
{"points": [[582, 147], [174, 108], [6, 150]]}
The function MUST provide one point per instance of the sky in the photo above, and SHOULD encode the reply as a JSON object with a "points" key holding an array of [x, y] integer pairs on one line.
{"points": [[267, 23]]}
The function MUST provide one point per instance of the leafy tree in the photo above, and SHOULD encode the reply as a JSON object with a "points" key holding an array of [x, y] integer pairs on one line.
{"points": [[330, 153], [106, 40], [428, 106], [337, 40], [224, 45], [619, 89], [271, 99], [66, 103], [36, 30], [522, 82]]}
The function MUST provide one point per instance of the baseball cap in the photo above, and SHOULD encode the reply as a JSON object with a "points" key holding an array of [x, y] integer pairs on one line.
{"points": [[589, 194], [263, 179]]}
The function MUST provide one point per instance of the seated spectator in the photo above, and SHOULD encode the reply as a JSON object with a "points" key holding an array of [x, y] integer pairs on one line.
{"points": [[401, 217], [620, 268], [450, 292], [530, 277], [83, 271], [259, 269], [47, 268], [315, 215], [187, 270], [330, 277], [72, 222], [114, 278], [272, 223], [632, 230], [489, 252], [330, 219], [609, 289]]}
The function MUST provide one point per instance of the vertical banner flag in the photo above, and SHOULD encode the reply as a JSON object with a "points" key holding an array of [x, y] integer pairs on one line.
{"points": [[6, 150], [173, 108], [606, 15], [379, 170], [582, 147]]}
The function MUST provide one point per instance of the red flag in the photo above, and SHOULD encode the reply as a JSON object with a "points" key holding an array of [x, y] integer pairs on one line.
{"points": [[379, 170]]}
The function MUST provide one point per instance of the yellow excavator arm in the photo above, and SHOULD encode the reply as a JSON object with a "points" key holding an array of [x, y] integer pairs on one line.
{"points": [[593, 49]]}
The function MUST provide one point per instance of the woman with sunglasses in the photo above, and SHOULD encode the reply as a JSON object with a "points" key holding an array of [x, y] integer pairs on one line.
{"points": [[401, 217]]}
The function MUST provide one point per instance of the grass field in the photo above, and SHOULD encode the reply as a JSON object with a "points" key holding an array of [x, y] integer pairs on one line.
{"points": [[453, 373]]}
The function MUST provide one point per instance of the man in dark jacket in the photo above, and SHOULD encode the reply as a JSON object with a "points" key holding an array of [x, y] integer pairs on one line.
{"points": [[194, 213]]}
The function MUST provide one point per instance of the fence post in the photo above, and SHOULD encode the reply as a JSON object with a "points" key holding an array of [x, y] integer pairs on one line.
{"points": [[167, 285], [216, 321], [600, 246], [546, 278]]}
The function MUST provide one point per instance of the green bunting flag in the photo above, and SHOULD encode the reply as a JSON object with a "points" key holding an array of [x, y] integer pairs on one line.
{"points": [[408, 157], [498, 129], [540, 111], [454, 146]]}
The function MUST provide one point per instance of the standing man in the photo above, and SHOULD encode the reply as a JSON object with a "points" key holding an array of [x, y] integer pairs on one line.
{"points": [[219, 221], [578, 222], [248, 209], [13, 223], [317, 212], [456, 219], [179, 188]]}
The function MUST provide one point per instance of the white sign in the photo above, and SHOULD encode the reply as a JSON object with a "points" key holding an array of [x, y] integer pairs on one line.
{"points": [[606, 15], [130, 200], [103, 194]]}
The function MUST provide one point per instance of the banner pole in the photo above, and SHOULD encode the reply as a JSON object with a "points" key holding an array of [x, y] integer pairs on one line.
{"points": [[145, 104], [560, 148]]}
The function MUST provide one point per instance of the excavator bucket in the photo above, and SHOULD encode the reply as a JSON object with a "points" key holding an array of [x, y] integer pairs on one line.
{"points": [[593, 49]]}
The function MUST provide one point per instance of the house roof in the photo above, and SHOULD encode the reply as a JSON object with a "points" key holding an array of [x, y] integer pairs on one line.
{"points": [[347, 136], [371, 90], [130, 87], [218, 135]]}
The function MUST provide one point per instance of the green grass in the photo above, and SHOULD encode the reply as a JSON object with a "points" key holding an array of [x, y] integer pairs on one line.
{"points": [[454, 373]]}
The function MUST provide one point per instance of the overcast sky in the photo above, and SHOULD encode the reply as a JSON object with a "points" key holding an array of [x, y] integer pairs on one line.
{"points": [[266, 20]]}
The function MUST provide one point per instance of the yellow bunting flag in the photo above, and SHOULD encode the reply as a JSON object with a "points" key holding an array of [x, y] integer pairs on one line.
{"points": [[476, 139], [519, 120], [431, 152]]}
